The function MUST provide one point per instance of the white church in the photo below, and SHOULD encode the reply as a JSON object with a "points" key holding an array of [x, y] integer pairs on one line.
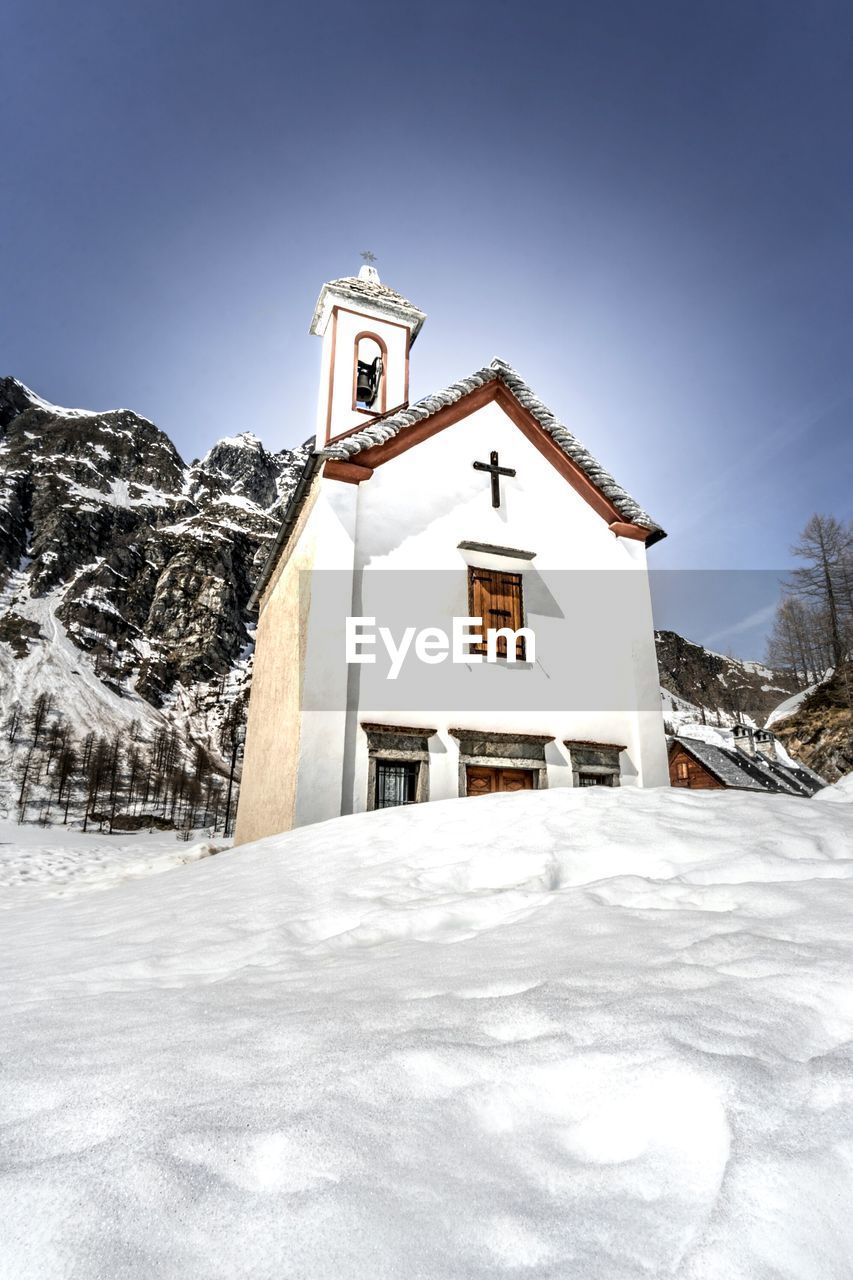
{"points": [[457, 601]]}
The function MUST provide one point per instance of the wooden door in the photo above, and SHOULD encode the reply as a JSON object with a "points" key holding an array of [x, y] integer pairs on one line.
{"points": [[515, 779], [483, 781]]}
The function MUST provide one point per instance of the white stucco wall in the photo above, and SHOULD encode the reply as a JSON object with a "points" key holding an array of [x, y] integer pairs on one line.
{"points": [[336, 379], [595, 675], [323, 731]]}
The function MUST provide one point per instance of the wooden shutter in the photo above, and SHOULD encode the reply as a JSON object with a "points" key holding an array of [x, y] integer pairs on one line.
{"points": [[496, 598]]}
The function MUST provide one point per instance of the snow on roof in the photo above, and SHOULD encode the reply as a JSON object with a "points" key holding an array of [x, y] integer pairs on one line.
{"points": [[382, 429], [715, 735]]}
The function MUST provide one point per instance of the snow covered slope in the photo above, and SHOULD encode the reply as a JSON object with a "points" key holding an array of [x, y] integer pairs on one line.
{"points": [[568, 1034], [789, 705]]}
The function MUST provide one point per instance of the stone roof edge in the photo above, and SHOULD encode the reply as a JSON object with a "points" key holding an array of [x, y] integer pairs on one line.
{"points": [[381, 430], [389, 301]]}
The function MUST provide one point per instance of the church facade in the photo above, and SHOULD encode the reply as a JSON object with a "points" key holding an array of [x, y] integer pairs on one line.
{"points": [[457, 601]]}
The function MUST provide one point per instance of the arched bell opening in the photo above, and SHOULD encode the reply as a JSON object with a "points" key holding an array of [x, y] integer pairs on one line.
{"points": [[370, 360]]}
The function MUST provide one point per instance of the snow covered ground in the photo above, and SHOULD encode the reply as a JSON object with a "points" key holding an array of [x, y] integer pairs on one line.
{"points": [[58, 861], [842, 790], [583, 1035]]}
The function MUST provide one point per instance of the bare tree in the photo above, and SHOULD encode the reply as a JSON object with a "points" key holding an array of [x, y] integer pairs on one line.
{"points": [[134, 770], [66, 768], [231, 737], [113, 776], [37, 717], [95, 776], [797, 643], [13, 722], [826, 548], [57, 735]]}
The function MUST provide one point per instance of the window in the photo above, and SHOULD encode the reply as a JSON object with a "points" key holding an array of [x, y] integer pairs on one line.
{"points": [[397, 764], [396, 783], [496, 597], [368, 377], [595, 764], [682, 773]]}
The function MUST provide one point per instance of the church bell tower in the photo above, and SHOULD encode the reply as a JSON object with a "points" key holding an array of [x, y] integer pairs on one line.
{"points": [[367, 330]]}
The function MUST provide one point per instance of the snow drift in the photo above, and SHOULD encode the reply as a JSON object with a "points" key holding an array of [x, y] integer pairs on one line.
{"points": [[584, 1033]]}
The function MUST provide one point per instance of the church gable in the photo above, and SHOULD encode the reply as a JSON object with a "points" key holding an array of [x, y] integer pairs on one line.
{"points": [[353, 456]]}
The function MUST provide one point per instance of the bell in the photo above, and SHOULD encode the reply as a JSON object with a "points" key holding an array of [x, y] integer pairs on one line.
{"points": [[366, 383]]}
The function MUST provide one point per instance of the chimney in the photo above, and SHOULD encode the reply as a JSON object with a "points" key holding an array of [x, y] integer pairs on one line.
{"points": [[765, 743], [743, 739]]}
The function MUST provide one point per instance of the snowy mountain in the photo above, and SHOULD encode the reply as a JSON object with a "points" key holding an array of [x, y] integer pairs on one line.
{"points": [[596, 1033], [125, 572], [698, 685]]}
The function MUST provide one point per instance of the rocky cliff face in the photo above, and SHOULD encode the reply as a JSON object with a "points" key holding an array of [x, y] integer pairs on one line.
{"points": [[819, 728], [698, 685], [120, 565]]}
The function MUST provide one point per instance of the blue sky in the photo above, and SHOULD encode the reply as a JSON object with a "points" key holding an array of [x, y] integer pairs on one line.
{"points": [[646, 208]]}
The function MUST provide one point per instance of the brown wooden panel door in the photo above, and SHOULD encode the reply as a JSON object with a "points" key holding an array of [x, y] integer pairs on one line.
{"points": [[514, 779], [483, 781]]}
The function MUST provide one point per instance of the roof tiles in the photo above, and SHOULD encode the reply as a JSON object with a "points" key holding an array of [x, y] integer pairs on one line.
{"points": [[383, 429]]}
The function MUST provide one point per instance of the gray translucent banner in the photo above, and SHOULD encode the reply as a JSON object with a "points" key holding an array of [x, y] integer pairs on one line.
{"points": [[589, 645]]}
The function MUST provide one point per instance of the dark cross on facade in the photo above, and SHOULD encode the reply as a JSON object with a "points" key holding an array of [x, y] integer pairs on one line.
{"points": [[496, 472], [368, 256]]}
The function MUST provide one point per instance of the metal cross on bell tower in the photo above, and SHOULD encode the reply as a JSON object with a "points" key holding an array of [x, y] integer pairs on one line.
{"points": [[367, 271], [496, 472]]}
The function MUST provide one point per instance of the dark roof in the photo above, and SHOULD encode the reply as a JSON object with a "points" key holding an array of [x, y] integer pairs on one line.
{"points": [[798, 776], [380, 430], [751, 773]]}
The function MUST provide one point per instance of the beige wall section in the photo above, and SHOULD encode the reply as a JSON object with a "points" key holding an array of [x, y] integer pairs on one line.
{"points": [[268, 792]]}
